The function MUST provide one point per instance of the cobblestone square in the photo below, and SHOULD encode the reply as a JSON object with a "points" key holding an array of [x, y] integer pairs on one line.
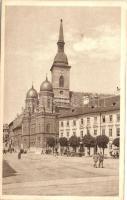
{"points": [[38, 174]]}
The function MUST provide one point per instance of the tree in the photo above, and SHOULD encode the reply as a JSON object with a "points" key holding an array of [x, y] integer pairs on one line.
{"points": [[116, 142], [89, 141], [102, 141], [63, 142], [74, 142], [51, 142]]}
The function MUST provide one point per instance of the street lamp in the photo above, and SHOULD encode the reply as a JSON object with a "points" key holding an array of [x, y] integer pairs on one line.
{"points": [[44, 127], [81, 145], [29, 119]]}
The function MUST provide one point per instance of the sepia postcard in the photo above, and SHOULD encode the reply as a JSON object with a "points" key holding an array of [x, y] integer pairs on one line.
{"points": [[62, 99]]}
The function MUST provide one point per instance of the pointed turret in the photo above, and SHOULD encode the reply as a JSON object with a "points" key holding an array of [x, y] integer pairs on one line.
{"points": [[60, 58]]}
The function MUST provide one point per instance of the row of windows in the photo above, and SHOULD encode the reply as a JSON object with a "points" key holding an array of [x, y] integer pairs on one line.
{"points": [[47, 128], [95, 132], [95, 120], [39, 128], [111, 118]]}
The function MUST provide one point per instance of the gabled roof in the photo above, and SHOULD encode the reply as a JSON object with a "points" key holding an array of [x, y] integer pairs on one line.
{"points": [[88, 110]]}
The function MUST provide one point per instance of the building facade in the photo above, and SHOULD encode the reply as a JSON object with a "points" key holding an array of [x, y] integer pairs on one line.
{"points": [[5, 133], [92, 120], [56, 111]]}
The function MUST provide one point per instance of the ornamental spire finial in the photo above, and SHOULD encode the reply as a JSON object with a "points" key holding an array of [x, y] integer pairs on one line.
{"points": [[61, 36], [46, 77], [32, 85], [60, 42]]}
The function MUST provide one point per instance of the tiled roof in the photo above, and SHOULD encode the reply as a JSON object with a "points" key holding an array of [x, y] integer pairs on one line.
{"points": [[17, 123], [77, 98], [108, 101], [111, 104]]}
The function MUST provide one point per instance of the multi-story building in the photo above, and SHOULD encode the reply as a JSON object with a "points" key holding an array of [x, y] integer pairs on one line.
{"points": [[103, 120], [5, 133], [41, 117]]}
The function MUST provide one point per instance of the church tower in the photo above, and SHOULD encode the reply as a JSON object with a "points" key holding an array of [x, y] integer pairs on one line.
{"points": [[46, 97], [31, 100], [60, 71]]}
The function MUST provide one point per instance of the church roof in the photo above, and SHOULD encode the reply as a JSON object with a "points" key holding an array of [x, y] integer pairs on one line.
{"points": [[32, 93], [46, 86], [60, 59]]}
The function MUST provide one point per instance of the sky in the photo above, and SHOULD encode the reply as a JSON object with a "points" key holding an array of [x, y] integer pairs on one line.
{"points": [[92, 45]]}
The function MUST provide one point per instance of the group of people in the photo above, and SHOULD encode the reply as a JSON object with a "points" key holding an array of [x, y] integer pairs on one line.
{"points": [[7, 148], [98, 159]]}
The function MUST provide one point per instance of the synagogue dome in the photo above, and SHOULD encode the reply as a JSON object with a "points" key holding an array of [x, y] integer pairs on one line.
{"points": [[32, 93], [46, 86]]}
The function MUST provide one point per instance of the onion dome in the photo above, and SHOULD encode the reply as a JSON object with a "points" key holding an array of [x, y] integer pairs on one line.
{"points": [[46, 86], [32, 93]]}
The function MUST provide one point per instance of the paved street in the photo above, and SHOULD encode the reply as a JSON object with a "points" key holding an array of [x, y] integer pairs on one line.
{"points": [[49, 175]]}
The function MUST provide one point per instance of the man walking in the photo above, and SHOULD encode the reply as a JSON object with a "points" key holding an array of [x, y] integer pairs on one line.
{"points": [[101, 160], [95, 158]]}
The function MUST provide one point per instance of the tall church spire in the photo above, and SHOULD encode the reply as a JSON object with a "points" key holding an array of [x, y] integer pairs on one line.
{"points": [[60, 59], [61, 74], [61, 37], [60, 42]]}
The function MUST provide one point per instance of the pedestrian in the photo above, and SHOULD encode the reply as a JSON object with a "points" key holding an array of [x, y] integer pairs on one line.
{"points": [[19, 155], [42, 152], [101, 160], [56, 151], [95, 158]]}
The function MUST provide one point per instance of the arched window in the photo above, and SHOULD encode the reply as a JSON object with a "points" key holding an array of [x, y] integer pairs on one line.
{"points": [[48, 128], [61, 81], [48, 103]]}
